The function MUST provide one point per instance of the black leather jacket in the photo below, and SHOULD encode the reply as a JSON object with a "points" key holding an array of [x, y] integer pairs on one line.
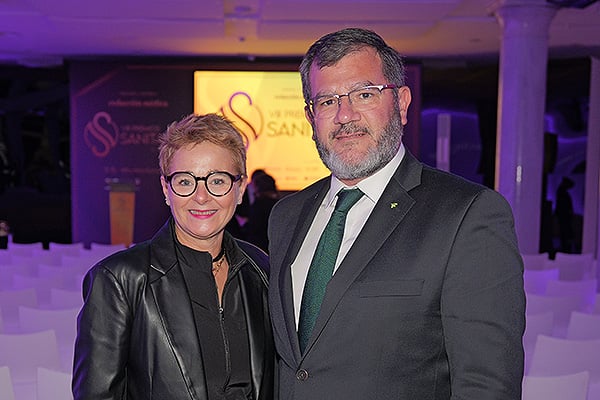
{"points": [[136, 337]]}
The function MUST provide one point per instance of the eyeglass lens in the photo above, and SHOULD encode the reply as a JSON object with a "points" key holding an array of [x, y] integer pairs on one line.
{"points": [[362, 99], [216, 183]]}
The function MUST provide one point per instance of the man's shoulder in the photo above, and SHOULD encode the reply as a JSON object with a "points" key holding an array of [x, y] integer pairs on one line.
{"points": [[310, 192]]}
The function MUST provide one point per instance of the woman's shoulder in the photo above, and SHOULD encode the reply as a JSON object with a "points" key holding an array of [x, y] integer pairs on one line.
{"points": [[255, 255], [131, 261]]}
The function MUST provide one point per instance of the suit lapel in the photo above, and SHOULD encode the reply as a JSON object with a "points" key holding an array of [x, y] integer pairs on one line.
{"points": [[390, 210], [306, 216]]}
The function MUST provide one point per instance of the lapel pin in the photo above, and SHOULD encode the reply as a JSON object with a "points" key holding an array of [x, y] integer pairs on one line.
{"points": [[393, 205]]}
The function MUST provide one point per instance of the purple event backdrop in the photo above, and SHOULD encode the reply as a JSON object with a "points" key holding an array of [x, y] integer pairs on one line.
{"points": [[117, 111]]}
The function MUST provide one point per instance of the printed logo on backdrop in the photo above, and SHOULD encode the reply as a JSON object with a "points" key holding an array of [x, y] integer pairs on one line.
{"points": [[268, 108], [249, 119], [102, 134]]}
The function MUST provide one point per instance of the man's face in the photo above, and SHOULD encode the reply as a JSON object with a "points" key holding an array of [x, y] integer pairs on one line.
{"points": [[352, 144]]}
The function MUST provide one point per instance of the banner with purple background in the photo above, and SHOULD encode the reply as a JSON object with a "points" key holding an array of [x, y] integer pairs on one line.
{"points": [[117, 111]]}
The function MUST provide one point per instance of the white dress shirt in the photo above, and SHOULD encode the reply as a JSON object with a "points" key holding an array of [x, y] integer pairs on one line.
{"points": [[372, 187]]}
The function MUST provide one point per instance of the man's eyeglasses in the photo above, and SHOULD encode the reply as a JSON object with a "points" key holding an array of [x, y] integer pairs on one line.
{"points": [[362, 99], [218, 183]]}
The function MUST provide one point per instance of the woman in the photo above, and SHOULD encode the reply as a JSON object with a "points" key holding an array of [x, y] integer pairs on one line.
{"points": [[183, 315]]}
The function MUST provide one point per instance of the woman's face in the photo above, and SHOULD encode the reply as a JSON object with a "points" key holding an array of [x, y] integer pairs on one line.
{"points": [[201, 217]]}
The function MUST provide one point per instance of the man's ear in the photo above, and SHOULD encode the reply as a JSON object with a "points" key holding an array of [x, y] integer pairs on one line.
{"points": [[404, 98]]}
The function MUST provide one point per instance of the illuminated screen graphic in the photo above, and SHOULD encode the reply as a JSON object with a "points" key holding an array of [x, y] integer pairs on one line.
{"points": [[269, 110]]}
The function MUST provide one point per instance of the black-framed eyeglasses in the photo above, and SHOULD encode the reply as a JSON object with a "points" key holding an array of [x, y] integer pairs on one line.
{"points": [[362, 99], [218, 183]]}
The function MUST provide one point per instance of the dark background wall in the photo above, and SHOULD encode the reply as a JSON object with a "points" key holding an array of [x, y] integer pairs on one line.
{"points": [[35, 132]]}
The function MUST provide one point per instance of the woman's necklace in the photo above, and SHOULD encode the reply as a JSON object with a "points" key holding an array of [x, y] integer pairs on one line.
{"points": [[218, 261]]}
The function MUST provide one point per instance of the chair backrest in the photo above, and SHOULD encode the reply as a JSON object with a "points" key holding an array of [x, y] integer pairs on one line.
{"points": [[534, 261], [562, 387], [6, 275], [575, 266], [10, 300], [586, 289], [5, 257], [62, 298], [73, 249], [556, 356], [63, 322], [561, 306], [67, 277], [24, 248], [535, 325], [24, 353], [53, 385], [583, 326], [6, 386], [536, 280], [41, 285]]}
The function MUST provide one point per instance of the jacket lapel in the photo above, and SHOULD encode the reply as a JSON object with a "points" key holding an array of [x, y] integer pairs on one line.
{"points": [[256, 315], [177, 319], [390, 210]]}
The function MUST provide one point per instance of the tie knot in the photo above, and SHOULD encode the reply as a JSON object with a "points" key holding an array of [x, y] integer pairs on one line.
{"points": [[347, 198]]}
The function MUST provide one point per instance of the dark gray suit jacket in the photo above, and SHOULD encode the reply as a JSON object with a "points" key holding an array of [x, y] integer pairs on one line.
{"points": [[428, 303]]}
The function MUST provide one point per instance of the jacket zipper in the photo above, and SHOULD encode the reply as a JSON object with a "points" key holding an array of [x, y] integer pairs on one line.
{"points": [[224, 333]]}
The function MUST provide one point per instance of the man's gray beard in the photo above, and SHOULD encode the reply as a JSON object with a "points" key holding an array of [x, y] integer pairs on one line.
{"points": [[376, 157]]}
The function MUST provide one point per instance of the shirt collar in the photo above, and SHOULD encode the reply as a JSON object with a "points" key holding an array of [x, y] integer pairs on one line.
{"points": [[372, 186]]}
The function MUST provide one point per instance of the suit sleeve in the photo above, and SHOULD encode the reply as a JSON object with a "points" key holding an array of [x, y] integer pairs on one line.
{"points": [[102, 340], [483, 304]]}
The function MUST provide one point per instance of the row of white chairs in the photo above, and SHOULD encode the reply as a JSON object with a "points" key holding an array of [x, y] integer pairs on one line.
{"points": [[57, 253], [562, 335], [50, 385], [569, 266]]}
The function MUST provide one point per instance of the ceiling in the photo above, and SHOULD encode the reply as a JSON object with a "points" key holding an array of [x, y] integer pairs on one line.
{"points": [[47, 32]]}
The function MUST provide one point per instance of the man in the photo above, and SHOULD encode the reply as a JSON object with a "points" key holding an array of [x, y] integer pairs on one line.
{"points": [[426, 299]]}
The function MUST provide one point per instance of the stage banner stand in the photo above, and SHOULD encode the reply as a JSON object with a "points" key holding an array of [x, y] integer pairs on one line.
{"points": [[122, 209]]}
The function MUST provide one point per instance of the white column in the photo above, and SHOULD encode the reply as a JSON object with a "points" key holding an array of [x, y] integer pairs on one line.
{"points": [[521, 106], [591, 206]]}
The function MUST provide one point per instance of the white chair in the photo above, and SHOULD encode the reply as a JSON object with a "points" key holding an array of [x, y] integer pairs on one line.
{"points": [[556, 356], [585, 289], [535, 325], [24, 353], [10, 300], [73, 249], [534, 261], [24, 249], [561, 306], [583, 326], [53, 385], [41, 285], [6, 386], [67, 276], [562, 387], [574, 267], [5, 257], [84, 261], [596, 307], [6, 275], [62, 322], [28, 269], [63, 298], [536, 280]]}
